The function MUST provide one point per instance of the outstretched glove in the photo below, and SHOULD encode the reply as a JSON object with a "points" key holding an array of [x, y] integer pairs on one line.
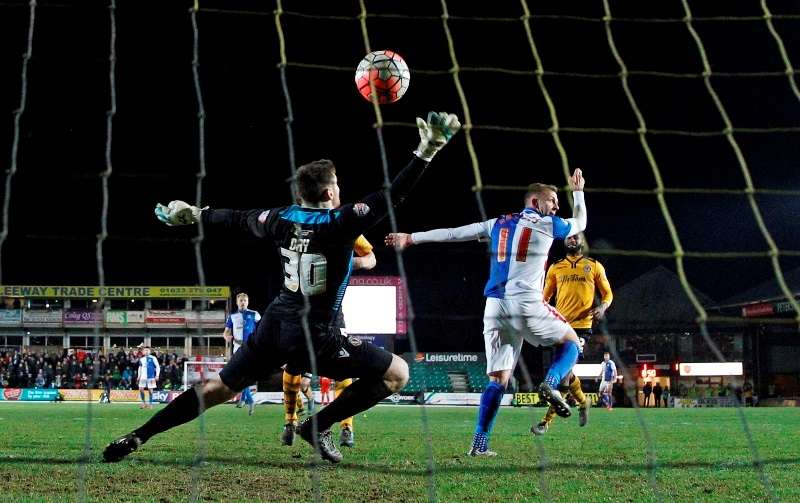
{"points": [[178, 213], [435, 133]]}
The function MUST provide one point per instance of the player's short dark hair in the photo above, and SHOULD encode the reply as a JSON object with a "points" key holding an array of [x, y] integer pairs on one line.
{"points": [[536, 189], [313, 178]]}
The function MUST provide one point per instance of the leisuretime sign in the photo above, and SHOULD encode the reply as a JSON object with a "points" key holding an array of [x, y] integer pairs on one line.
{"points": [[450, 357], [115, 292]]}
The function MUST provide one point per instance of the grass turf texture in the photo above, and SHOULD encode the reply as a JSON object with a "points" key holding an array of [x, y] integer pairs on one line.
{"points": [[700, 454]]}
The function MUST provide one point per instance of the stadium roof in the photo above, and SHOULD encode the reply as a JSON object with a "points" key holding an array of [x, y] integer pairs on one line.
{"points": [[766, 291], [653, 301]]}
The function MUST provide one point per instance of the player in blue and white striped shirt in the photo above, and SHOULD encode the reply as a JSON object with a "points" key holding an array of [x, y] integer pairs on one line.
{"points": [[515, 309], [149, 370], [239, 327], [608, 376]]}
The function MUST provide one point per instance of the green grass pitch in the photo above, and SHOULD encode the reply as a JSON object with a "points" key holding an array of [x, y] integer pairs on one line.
{"points": [[700, 455]]}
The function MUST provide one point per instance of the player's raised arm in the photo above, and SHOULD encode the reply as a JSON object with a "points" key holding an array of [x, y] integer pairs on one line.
{"points": [[579, 216], [255, 222], [471, 232], [434, 134]]}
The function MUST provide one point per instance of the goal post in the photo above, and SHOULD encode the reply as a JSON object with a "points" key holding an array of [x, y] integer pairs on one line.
{"points": [[200, 371]]}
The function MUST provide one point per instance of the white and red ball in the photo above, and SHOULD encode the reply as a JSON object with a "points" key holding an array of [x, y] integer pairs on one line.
{"points": [[389, 74]]}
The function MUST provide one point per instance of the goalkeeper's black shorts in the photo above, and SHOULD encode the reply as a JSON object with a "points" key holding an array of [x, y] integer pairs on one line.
{"points": [[280, 341]]}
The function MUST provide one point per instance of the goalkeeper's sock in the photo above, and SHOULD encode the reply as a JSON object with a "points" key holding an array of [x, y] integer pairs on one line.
{"points": [[566, 356], [291, 396], [340, 386], [361, 395], [576, 391], [490, 404], [181, 410]]}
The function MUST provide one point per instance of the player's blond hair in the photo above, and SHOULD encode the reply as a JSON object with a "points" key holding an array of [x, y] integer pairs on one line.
{"points": [[539, 188], [242, 295]]}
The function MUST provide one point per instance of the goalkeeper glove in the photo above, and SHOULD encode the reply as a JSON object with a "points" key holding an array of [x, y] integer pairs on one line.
{"points": [[178, 213], [435, 133]]}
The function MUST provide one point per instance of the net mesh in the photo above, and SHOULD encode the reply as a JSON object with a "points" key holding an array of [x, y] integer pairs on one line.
{"points": [[657, 188]]}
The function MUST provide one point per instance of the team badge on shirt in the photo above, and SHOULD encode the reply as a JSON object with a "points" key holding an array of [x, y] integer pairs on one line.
{"points": [[587, 268], [361, 209], [354, 341]]}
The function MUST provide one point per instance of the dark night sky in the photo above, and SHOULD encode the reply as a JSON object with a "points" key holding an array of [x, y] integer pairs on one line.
{"points": [[56, 194]]}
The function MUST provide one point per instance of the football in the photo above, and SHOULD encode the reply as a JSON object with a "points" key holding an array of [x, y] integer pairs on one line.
{"points": [[387, 72]]}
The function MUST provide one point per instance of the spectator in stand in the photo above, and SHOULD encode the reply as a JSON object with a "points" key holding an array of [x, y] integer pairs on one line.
{"points": [[40, 380], [647, 390], [127, 374]]}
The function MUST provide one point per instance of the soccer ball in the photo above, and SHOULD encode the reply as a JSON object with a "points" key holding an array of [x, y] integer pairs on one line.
{"points": [[389, 74]]}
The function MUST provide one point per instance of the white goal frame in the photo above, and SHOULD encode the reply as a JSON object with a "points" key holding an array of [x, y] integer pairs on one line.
{"points": [[193, 375]]}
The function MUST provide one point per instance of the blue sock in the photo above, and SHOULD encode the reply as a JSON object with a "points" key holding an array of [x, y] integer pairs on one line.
{"points": [[247, 396], [151, 398], [487, 413], [141, 395], [566, 356]]}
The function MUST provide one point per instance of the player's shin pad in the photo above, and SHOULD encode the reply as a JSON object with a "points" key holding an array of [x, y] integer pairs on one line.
{"points": [[361, 395], [576, 391], [291, 395], [549, 415]]}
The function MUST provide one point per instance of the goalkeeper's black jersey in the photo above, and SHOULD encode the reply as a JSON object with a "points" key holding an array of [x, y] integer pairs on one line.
{"points": [[316, 245]]}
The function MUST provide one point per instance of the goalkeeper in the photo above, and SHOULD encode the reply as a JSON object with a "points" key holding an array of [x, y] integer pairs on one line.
{"points": [[575, 280], [315, 241]]}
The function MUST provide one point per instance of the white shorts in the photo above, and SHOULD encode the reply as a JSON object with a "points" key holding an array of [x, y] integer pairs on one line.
{"points": [[507, 322], [236, 346], [147, 383], [605, 386]]}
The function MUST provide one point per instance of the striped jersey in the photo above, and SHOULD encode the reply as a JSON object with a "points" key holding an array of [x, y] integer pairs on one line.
{"points": [[608, 370], [243, 324], [149, 367], [519, 245]]}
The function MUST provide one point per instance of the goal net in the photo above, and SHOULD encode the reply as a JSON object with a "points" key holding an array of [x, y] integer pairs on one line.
{"points": [[683, 114]]}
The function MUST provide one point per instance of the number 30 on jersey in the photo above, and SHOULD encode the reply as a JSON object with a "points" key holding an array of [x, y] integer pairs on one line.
{"points": [[306, 272]]}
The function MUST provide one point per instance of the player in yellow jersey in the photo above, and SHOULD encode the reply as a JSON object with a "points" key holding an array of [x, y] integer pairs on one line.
{"points": [[574, 280], [364, 259]]}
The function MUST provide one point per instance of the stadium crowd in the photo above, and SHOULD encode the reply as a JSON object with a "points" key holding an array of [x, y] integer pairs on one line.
{"points": [[73, 369]]}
